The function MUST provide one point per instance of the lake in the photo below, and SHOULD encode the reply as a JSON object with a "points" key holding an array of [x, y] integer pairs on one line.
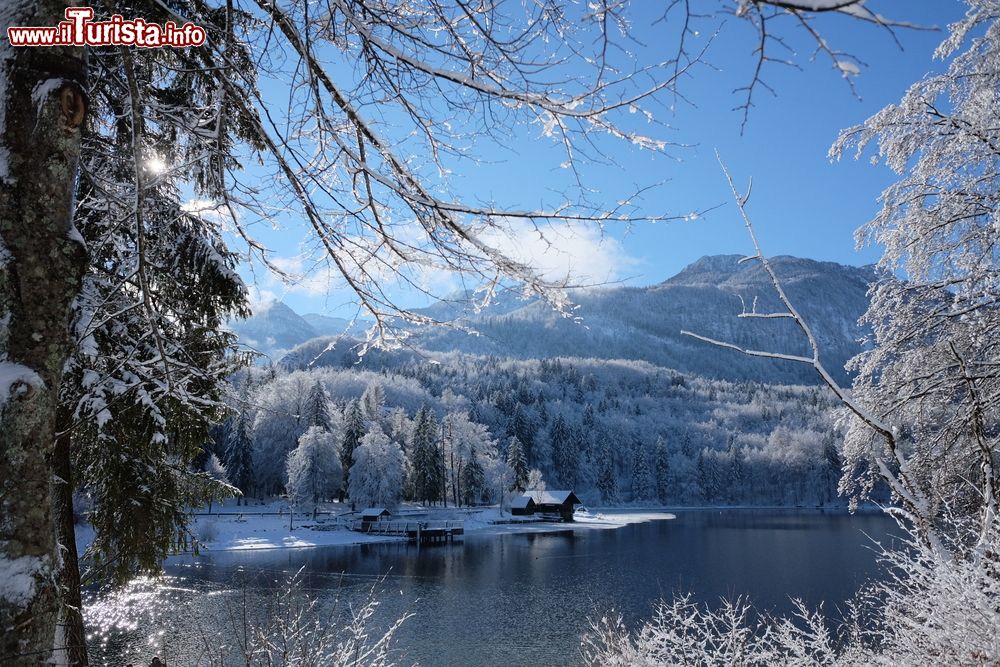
{"points": [[509, 599]]}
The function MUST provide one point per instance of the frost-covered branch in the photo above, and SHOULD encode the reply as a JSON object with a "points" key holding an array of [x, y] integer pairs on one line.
{"points": [[898, 477]]}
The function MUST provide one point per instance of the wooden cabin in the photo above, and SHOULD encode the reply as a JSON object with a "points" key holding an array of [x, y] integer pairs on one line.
{"points": [[556, 504], [522, 506], [371, 515]]}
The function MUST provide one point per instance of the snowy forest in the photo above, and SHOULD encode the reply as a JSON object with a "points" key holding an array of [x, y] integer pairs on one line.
{"points": [[613, 431], [144, 191]]}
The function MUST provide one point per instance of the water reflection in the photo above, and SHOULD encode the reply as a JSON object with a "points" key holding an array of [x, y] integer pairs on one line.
{"points": [[514, 599]]}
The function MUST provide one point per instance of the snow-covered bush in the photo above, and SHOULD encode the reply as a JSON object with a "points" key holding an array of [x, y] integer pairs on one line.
{"points": [[293, 628], [932, 609]]}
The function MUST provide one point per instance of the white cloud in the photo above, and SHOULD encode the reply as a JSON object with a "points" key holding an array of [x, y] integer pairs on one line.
{"points": [[577, 250]]}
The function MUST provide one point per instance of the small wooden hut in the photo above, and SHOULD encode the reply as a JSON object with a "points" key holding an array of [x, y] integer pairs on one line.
{"points": [[555, 504], [371, 515], [522, 506]]}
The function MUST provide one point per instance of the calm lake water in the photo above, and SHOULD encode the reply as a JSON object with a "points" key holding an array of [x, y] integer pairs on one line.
{"points": [[512, 600]]}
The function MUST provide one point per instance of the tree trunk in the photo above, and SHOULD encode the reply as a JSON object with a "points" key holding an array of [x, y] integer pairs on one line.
{"points": [[43, 261], [71, 607]]}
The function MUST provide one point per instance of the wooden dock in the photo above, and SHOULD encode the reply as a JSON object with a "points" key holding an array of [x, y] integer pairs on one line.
{"points": [[421, 532]]}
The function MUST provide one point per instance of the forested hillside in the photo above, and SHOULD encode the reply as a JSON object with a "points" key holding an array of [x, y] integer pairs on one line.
{"points": [[616, 431], [615, 403]]}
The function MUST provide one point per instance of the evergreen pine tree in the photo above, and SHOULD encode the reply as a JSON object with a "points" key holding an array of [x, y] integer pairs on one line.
{"points": [[518, 464], [427, 461], [473, 479], [661, 469], [607, 482], [643, 487], [521, 427], [565, 453], [316, 410], [239, 453], [354, 430]]}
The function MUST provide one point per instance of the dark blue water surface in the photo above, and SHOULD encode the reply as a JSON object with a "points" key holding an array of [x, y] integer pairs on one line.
{"points": [[513, 599]]}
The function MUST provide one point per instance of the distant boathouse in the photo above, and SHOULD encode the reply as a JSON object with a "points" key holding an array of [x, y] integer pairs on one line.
{"points": [[549, 504]]}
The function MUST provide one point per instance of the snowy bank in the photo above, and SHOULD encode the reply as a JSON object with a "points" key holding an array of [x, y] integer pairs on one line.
{"points": [[266, 525], [259, 527]]}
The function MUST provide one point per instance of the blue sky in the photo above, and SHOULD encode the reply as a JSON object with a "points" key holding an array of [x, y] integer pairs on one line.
{"points": [[803, 204]]}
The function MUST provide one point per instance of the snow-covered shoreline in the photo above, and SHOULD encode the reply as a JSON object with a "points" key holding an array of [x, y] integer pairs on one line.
{"points": [[266, 526], [255, 527]]}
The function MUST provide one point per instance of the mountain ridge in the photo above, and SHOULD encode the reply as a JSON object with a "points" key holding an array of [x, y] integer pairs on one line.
{"points": [[644, 323]]}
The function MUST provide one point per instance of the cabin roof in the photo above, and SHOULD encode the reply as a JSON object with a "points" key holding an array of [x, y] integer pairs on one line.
{"points": [[521, 502], [375, 512], [554, 497]]}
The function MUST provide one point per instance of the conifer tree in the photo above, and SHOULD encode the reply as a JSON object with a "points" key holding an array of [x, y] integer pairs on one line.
{"points": [[354, 430], [661, 469], [427, 461], [522, 428], [607, 480], [239, 454], [473, 479], [316, 411], [518, 464], [643, 487], [565, 452]]}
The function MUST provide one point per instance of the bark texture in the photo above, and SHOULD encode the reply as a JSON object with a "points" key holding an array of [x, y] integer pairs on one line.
{"points": [[43, 261]]}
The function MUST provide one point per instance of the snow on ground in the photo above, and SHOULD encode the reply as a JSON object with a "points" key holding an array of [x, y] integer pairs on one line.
{"points": [[265, 526], [230, 527]]}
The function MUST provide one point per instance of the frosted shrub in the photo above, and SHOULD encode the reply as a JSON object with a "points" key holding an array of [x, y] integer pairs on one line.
{"points": [[293, 629], [932, 609]]}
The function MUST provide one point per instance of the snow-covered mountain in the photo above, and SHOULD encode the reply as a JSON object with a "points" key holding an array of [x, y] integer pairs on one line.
{"points": [[273, 329], [644, 323], [641, 323]]}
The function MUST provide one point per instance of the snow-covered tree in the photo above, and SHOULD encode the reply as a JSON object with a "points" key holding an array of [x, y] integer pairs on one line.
{"points": [[522, 428], [376, 478], [427, 459], [461, 438], [930, 381], [216, 471], [313, 470], [661, 469], [373, 403], [518, 464], [535, 481], [277, 428], [316, 410], [239, 453], [355, 427], [473, 479], [607, 477], [565, 453], [643, 486]]}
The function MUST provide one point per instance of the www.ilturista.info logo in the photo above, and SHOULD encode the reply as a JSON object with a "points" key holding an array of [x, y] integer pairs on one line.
{"points": [[79, 30]]}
